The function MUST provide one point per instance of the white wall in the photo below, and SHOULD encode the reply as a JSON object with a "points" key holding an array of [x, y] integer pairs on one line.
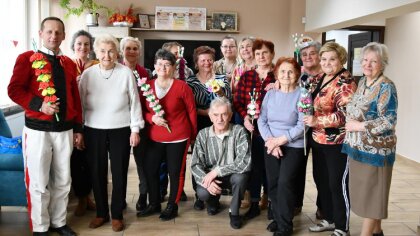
{"points": [[402, 36], [324, 15], [274, 20]]}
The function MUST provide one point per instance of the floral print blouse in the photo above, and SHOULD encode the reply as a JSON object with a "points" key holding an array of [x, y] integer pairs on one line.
{"points": [[330, 107]]}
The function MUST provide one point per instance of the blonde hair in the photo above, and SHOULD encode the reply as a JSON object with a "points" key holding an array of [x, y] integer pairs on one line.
{"points": [[335, 47]]}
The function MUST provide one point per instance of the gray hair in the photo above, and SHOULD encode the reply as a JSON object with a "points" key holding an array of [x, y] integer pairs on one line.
{"points": [[221, 101], [380, 49], [81, 33], [317, 45], [168, 45], [127, 39], [107, 39]]}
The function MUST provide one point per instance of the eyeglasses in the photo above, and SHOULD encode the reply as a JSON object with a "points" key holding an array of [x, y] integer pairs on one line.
{"points": [[226, 47], [311, 54], [166, 65]]}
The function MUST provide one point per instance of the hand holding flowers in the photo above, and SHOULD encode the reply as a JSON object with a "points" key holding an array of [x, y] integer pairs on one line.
{"points": [[306, 107], [43, 72], [153, 101], [215, 86], [253, 109]]}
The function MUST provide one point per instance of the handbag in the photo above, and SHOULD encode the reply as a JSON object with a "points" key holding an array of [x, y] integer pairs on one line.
{"points": [[10, 145]]}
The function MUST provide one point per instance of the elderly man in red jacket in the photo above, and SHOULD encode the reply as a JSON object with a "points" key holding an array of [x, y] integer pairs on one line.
{"points": [[44, 84]]}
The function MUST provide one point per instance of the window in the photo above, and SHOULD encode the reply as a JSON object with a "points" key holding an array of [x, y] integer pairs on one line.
{"points": [[21, 23]]}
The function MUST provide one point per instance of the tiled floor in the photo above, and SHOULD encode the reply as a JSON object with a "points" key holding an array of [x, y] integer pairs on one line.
{"points": [[404, 213]]}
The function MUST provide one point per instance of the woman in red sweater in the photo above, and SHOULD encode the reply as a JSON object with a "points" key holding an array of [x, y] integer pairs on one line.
{"points": [[169, 135]]}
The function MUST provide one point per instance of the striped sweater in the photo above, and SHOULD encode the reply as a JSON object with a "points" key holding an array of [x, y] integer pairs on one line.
{"points": [[228, 154]]}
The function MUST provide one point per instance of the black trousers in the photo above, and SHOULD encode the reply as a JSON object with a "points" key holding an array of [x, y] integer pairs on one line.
{"points": [[174, 155], [114, 144], [282, 176], [331, 170], [139, 153], [80, 173], [235, 182], [257, 176]]}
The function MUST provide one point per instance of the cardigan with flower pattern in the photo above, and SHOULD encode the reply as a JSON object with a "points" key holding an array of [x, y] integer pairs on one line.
{"points": [[377, 107]]}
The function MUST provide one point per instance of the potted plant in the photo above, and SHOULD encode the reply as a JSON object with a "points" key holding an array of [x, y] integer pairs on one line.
{"points": [[89, 6]]}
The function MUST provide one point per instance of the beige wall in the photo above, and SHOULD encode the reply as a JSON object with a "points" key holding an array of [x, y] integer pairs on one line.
{"points": [[402, 37], [273, 20], [324, 15]]}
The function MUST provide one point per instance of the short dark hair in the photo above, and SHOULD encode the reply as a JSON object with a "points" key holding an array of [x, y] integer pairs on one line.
{"points": [[203, 50], [259, 43], [52, 18], [78, 34], [165, 55]]}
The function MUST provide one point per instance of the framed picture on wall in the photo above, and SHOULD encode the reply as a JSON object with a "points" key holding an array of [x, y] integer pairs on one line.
{"points": [[225, 21], [152, 21], [144, 21]]}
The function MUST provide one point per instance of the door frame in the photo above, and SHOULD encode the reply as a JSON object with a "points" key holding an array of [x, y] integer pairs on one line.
{"points": [[378, 32]]}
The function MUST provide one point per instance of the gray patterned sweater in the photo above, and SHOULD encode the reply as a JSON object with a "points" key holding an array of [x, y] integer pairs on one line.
{"points": [[228, 154]]}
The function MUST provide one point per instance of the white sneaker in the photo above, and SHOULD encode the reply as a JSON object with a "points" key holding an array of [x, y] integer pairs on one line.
{"points": [[338, 232], [322, 226]]}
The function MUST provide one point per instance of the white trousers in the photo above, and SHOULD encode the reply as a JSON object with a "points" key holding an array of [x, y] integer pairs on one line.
{"points": [[47, 176]]}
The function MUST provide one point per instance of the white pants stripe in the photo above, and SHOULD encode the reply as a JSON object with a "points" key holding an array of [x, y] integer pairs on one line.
{"points": [[47, 166]]}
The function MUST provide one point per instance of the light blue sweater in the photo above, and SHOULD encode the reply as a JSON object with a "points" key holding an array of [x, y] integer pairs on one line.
{"points": [[280, 116]]}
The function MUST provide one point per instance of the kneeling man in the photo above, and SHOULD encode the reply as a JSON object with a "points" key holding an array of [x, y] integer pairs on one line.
{"points": [[221, 159]]}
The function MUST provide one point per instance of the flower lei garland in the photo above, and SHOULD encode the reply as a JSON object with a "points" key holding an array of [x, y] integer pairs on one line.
{"points": [[253, 109], [43, 72], [150, 97]]}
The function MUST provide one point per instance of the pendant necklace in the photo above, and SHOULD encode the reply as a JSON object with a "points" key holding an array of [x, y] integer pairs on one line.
{"points": [[371, 84], [106, 77]]}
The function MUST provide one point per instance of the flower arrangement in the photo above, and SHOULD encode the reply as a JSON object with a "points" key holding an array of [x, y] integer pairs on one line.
{"points": [[43, 72], [89, 6], [150, 97], [181, 62], [253, 109], [128, 19], [305, 106], [215, 85]]}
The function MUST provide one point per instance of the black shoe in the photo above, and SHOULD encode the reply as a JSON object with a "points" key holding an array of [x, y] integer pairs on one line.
{"points": [[141, 202], [272, 227], [283, 232], [253, 211], [198, 205], [213, 207], [40, 233], [269, 211], [184, 197], [170, 212], [149, 210], [64, 230], [235, 221]]}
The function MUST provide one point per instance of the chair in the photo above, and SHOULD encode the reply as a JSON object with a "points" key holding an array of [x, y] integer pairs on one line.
{"points": [[12, 185]]}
